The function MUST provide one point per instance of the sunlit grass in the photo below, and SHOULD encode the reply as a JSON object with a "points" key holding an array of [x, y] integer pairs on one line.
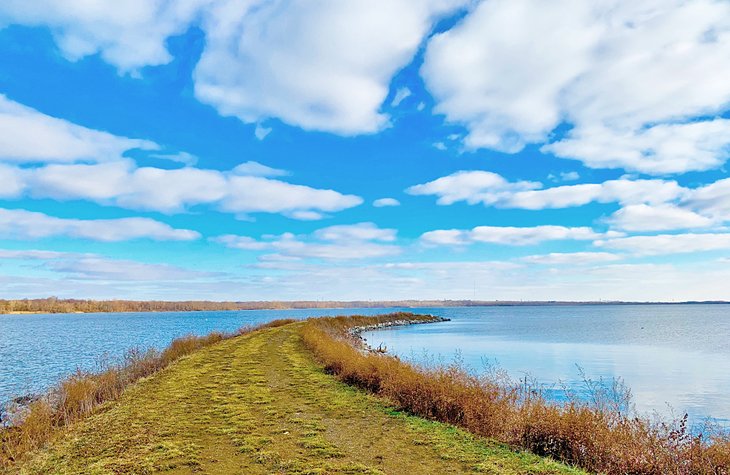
{"points": [[81, 393]]}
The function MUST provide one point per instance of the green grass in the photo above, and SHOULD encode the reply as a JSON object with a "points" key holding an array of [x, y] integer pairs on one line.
{"points": [[259, 404]]}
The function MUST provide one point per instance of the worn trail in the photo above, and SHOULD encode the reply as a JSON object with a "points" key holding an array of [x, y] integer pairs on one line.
{"points": [[258, 404]]}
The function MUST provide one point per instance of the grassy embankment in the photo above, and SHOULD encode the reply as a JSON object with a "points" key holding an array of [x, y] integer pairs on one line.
{"points": [[258, 403]]}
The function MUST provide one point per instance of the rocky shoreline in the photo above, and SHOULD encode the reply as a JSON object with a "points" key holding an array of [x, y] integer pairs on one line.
{"points": [[356, 332]]}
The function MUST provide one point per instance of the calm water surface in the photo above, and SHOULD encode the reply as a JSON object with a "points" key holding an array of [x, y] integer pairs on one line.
{"points": [[674, 358]]}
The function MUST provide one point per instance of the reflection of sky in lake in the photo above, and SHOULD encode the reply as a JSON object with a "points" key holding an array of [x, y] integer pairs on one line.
{"points": [[676, 356]]}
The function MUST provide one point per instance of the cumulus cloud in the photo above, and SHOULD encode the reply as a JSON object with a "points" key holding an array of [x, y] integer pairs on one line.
{"points": [[646, 205], [27, 135], [384, 202], [129, 35], [668, 243], [491, 189], [712, 200], [472, 187], [642, 217], [355, 232], [121, 183], [252, 168], [248, 194], [630, 77], [509, 235], [22, 224], [564, 176], [181, 157], [318, 65], [12, 181], [261, 132], [400, 95], [660, 149], [285, 59], [484, 71], [97, 171], [340, 242]]}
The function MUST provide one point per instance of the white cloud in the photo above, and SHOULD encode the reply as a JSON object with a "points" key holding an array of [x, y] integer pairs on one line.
{"points": [[181, 157], [306, 215], [472, 187], [668, 243], [642, 217], [317, 65], [484, 71], [94, 267], [245, 243], [257, 169], [384, 202], [99, 268], [355, 232], [622, 191], [251, 194], [571, 258], [129, 35], [491, 189], [712, 200], [12, 183], [121, 184], [335, 251], [400, 95], [631, 77], [564, 176], [27, 135], [244, 189], [660, 149], [646, 205], [341, 242], [440, 146], [34, 254], [261, 132], [22, 224], [508, 235]]}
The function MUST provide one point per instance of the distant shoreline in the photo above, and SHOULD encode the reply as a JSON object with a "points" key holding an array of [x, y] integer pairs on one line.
{"points": [[66, 306]]}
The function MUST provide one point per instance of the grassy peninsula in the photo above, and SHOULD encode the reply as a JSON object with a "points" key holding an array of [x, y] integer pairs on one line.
{"points": [[309, 397], [259, 403]]}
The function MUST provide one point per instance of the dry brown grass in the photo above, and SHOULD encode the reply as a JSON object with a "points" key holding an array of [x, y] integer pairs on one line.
{"points": [[81, 393], [599, 436]]}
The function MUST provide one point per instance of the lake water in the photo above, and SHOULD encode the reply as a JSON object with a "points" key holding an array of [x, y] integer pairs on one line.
{"points": [[36, 351], [676, 355], [674, 358]]}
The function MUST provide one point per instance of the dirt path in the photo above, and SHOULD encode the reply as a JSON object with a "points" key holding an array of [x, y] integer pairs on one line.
{"points": [[257, 405]]}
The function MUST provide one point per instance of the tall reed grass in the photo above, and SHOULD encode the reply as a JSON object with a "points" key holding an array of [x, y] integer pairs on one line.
{"points": [[598, 435], [80, 394]]}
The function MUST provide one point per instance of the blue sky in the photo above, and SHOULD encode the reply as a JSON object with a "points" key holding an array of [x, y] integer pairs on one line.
{"points": [[257, 150]]}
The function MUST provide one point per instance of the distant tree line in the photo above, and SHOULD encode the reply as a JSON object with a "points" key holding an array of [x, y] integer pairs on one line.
{"points": [[57, 305]]}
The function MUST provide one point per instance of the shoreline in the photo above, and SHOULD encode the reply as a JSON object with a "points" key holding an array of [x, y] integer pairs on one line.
{"points": [[311, 305]]}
